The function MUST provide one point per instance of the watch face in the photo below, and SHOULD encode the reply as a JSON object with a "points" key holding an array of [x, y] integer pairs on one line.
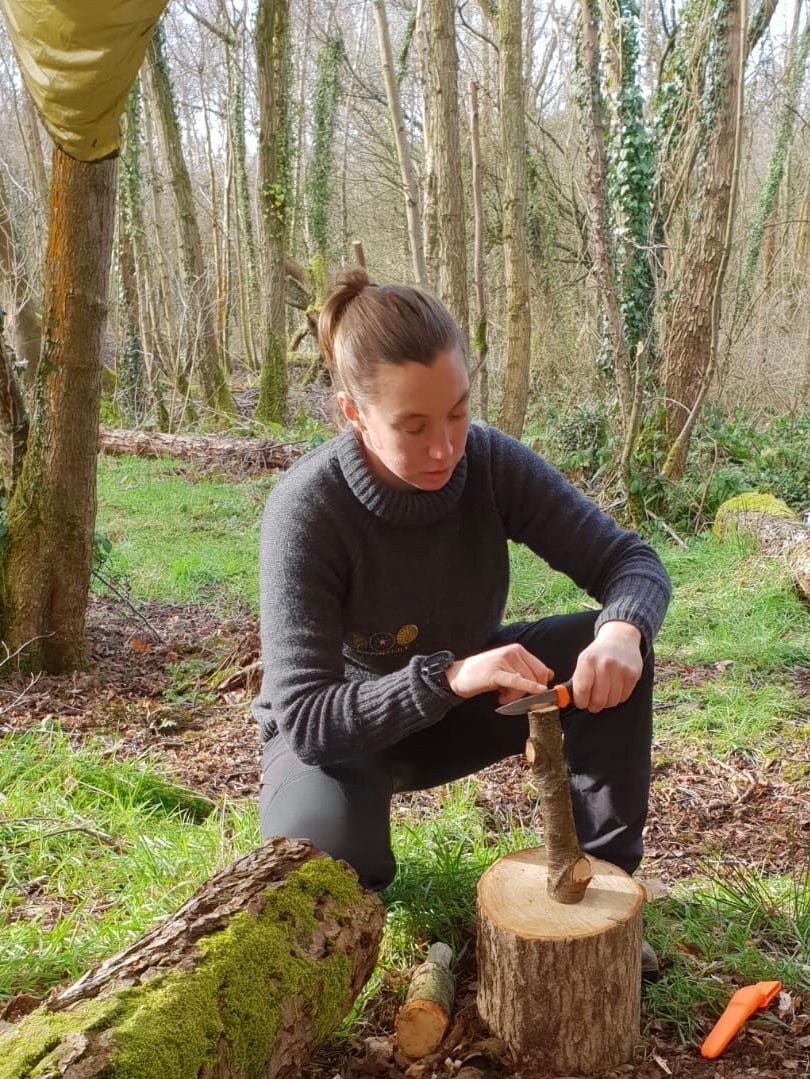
{"points": [[438, 662]]}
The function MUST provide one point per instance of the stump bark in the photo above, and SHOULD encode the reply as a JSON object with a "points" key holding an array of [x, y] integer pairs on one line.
{"points": [[243, 981], [560, 983]]}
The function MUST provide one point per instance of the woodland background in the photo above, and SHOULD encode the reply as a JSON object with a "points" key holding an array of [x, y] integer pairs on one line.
{"points": [[618, 219], [614, 201]]}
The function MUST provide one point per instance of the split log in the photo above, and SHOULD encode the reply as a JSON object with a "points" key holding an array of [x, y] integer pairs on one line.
{"points": [[559, 938], [249, 454], [560, 983], [424, 1017], [243, 981], [777, 530]]}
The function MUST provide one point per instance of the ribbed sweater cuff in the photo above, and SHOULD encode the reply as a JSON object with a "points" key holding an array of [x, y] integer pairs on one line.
{"points": [[643, 604]]}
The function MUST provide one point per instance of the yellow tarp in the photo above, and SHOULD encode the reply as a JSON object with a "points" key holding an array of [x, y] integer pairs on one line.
{"points": [[79, 59]]}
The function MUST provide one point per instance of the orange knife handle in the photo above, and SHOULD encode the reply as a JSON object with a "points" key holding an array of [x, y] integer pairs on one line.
{"points": [[565, 694], [740, 1008]]}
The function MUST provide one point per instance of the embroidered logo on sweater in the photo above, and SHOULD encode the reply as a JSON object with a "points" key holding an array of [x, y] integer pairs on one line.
{"points": [[382, 643]]}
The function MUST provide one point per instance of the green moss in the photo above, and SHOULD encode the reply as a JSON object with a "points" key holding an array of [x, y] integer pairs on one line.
{"points": [[250, 970], [236, 995], [751, 501], [24, 1050], [234, 998]]}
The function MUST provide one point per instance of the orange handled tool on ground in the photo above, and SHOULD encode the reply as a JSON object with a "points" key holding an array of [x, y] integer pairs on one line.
{"points": [[741, 1007]]}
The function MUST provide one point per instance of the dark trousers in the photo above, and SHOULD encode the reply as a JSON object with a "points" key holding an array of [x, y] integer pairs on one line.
{"points": [[344, 809]]}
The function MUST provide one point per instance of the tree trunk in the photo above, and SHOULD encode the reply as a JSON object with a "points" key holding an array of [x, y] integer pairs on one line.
{"points": [[430, 219], [406, 169], [26, 333], [33, 151], [758, 241], [13, 419], [452, 255], [272, 62], [256, 969], [51, 517], [247, 260], [216, 394], [600, 237], [479, 343], [130, 366], [689, 353], [515, 252], [250, 454]]}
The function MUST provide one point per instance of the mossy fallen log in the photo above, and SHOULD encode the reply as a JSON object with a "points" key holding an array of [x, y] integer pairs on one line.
{"points": [[777, 530], [256, 969]]}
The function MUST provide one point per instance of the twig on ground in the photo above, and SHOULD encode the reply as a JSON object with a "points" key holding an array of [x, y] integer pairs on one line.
{"points": [[124, 599]]}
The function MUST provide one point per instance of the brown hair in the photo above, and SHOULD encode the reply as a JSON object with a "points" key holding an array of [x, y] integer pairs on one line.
{"points": [[362, 324]]}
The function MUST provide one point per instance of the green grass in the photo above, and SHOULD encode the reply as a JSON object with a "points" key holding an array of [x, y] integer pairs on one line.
{"points": [[139, 845], [730, 929], [95, 850], [179, 540]]}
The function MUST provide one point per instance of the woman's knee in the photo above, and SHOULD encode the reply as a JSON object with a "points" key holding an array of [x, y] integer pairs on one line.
{"points": [[344, 813]]}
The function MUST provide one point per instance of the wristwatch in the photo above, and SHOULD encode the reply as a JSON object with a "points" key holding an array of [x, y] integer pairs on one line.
{"points": [[433, 668]]}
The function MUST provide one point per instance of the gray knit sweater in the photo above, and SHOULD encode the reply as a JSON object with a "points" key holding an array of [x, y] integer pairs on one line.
{"points": [[359, 581]]}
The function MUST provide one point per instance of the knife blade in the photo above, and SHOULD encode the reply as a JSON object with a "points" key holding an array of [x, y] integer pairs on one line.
{"points": [[560, 696]]}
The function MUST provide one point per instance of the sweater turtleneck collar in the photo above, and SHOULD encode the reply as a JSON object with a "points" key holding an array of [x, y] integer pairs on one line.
{"points": [[404, 507]]}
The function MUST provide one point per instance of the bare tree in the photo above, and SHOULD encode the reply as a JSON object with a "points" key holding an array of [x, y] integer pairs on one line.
{"points": [[690, 344], [26, 333], [211, 374], [516, 262], [272, 46], [51, 516], [452, 246], [412, 207]]}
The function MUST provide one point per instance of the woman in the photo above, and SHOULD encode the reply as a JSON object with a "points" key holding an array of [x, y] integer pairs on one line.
{"points": [[384, 577]]}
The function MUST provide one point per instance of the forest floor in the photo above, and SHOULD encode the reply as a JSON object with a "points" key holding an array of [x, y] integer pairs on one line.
{"points": [[177, 695]]}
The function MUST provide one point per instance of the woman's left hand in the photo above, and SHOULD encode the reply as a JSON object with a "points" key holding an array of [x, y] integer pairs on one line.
{"points": [[608, 669]]}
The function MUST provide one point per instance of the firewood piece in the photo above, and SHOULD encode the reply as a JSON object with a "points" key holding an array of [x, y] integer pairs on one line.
{"points": [[424, 1017], [257, 968], [560, 984], [257, 454], [569, 871]]}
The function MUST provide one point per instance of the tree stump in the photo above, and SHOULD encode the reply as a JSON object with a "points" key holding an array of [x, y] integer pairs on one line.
{"points": [[242, 982], [559, 983]]}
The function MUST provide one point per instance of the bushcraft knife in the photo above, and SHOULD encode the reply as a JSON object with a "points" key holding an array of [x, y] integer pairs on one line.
{"points": [[560, 696]]}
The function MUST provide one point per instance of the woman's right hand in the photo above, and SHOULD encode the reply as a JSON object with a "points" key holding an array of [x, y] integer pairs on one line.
{"points": [[510, 670]]}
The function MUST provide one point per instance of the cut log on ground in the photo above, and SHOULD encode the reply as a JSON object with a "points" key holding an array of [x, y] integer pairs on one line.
{"points": [[777, 530], [560, 983], [248, 454], [257, 968], [424, 1017]]}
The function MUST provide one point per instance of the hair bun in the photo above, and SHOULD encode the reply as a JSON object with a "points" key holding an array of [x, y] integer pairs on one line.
{"points": [[347, 286]]}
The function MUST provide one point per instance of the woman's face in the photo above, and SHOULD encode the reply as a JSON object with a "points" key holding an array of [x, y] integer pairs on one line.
{"points": [[414, 426]]}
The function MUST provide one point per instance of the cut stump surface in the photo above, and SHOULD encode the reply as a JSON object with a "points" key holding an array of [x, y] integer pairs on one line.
{"points": [[561, 984]]}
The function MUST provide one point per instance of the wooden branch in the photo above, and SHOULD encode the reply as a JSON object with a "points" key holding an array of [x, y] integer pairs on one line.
{"points": [[423, 1019], [569, 870], [244, 980]]}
